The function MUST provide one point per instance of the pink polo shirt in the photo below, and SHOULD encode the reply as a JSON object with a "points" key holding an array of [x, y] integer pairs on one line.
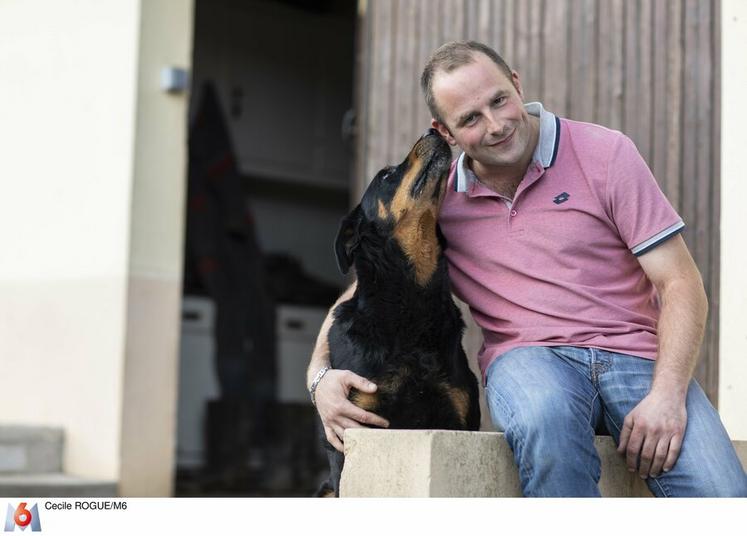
{"points": [[557, 265]]}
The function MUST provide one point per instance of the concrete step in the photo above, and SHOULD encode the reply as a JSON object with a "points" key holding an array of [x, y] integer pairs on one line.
{"points": [[440, 463], [30, 450], [54, 485]]}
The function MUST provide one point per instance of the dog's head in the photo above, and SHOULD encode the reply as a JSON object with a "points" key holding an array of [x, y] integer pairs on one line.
{"points": [[401, 204]]}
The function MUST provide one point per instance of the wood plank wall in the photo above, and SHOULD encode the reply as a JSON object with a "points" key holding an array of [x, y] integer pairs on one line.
{"points": [[649, 68]]}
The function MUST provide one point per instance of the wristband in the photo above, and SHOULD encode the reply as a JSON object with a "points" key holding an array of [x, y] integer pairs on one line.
{"points": [[317, 379]]}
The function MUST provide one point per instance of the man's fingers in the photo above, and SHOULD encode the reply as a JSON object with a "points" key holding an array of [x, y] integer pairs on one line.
{"points": [[336, 432], [332, 438], [358, 414], [344, 423], [651, 434], [371, 419], [674, 452], [625, 434], [360, 383], [340, 434], [648, 452], [635, 442], [361, 416], [660, 457]]}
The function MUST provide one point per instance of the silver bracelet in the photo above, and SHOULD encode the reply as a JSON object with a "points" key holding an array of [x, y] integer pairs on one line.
{"points": [[317, 379]]}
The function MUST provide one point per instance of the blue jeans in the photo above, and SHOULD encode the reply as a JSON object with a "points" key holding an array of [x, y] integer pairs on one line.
{"points": [[550, 400]]}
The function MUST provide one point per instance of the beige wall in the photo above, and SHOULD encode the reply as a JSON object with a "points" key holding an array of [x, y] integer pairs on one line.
{"points": [[155, 255], [67, 106], [93, 177], [733, 343]]}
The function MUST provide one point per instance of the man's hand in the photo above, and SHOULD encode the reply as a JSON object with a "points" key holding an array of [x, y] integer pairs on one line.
{"points": [[654, 429], [336, 411]]}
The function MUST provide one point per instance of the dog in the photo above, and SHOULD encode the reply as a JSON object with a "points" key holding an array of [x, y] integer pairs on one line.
{"points": [[402, 329]]}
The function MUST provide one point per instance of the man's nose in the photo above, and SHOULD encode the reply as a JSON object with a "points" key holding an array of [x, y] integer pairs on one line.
{"points": [[494, 124]]}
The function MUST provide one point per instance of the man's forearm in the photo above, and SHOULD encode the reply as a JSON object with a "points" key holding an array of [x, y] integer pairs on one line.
{"points": [[684, 309], [320, 355]]}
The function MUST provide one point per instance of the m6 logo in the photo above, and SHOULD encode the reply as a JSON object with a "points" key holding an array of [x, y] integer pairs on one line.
{"points": [[22, 517]]}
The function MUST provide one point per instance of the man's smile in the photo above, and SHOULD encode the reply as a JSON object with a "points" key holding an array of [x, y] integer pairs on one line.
{"points": [[503, 141]]}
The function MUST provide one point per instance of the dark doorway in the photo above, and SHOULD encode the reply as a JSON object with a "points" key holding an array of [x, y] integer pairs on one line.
{"points": [[269, 180]]}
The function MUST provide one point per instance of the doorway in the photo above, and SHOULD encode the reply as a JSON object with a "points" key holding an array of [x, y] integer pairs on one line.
{"points": [[269, 181]]}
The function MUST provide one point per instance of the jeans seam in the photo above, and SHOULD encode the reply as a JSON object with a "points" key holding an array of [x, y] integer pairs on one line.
{"points": [[498, 398], [518, 439], [591, 411], [662, 487], [593, 435]]}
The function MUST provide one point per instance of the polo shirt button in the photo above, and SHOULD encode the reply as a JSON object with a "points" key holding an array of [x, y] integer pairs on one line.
{"points": [[513, 213]]}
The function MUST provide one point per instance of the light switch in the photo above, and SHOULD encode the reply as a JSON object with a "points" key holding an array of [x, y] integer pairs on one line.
{"points": [[174, 79]]}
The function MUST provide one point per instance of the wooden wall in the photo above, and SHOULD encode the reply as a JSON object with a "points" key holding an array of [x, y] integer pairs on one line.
{"points": [[649, 68]]}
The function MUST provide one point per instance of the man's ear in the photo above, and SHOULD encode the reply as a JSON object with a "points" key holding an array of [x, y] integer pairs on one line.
{"points": [[517, 84], [444, 131], [348, 238]]}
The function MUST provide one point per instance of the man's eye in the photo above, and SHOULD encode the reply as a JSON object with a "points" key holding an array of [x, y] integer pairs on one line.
{"points": [[470, 120], [499, 100]]}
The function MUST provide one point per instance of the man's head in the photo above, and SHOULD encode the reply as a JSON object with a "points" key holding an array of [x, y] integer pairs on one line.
{"points": [[450, 56], [477, 103]]}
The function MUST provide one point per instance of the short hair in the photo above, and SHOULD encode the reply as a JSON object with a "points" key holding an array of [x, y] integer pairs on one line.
{"points": [[447, 58]]}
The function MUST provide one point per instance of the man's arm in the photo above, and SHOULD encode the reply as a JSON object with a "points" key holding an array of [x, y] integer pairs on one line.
{"points": [[336, 411], [656, 426], [320, 355]]}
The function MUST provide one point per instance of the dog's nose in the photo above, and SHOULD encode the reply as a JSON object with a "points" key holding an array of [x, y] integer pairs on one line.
{"points": [[429, 132]]}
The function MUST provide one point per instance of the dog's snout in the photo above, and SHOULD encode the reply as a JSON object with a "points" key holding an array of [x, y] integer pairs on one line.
{"points": [[430, 132]]}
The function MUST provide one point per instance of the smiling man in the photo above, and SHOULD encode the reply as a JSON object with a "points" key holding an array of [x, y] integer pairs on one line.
{"points": [[591, 307]]}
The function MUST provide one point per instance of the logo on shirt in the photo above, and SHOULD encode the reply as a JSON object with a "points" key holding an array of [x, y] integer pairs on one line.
{"points": [[561, 198]]}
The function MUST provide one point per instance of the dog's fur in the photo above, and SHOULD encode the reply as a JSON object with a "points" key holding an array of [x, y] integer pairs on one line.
{"points": [[401, 329]]}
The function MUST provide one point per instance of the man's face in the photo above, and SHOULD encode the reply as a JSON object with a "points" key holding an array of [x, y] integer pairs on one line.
{"points": [[483, 113]]}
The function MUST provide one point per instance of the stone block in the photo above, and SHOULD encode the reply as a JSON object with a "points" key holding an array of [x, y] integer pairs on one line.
{"points": [[30, 449], [444, 463]]}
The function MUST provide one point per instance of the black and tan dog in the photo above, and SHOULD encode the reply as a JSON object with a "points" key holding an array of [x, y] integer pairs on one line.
{"points": [[401, 329]]}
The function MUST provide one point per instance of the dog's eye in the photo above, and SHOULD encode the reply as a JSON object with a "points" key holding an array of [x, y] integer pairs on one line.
{"points": [[387, 173]]}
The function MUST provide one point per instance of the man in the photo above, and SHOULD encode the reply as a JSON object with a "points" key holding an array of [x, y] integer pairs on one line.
{"points": [[591, 306]]}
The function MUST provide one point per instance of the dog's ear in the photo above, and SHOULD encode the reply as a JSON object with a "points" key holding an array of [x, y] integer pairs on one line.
{"points": [[347, 239]]}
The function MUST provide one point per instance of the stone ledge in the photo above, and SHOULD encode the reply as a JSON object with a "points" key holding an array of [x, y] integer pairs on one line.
{"points": [[443, 463], [55, 485], [30, 449]]}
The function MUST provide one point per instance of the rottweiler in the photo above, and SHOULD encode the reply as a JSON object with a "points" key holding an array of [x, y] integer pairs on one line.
{"points": [[402, 329]]}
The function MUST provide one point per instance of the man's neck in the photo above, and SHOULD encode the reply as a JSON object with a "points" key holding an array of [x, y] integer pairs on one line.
{"points": [[505, 179]]}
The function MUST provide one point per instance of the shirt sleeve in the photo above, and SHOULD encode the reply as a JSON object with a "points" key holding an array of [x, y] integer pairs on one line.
{"points": [[640, 210]]}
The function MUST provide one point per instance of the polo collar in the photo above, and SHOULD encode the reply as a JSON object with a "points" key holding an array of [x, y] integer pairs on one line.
{"points": [[544, 154]]}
